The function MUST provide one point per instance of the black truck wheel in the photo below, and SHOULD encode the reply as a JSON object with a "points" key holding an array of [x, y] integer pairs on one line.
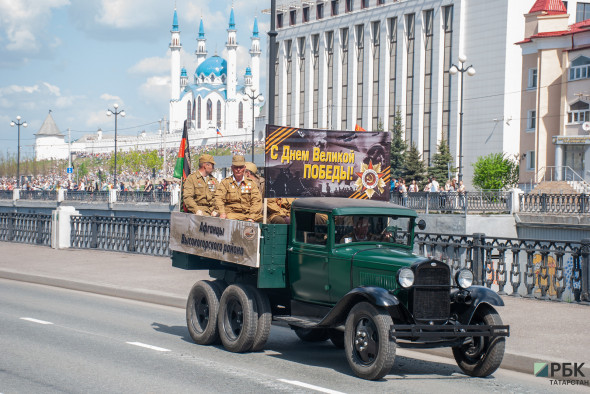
{"points": [[312, 334], [202, 307], [237, 319], [369, 351], [483, 355], [264, 319]]}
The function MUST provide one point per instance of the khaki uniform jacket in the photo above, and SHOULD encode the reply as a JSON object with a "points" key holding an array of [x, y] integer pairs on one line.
{"points": [[199, 193], [278, 207], [240, 202]]}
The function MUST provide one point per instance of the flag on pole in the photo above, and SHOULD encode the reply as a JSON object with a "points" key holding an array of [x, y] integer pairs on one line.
{"points": [[219, 132], [182, 169], [358, 128]]}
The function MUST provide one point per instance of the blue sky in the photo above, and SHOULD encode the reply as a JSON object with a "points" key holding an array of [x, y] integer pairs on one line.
{"points": [[78, 57]]}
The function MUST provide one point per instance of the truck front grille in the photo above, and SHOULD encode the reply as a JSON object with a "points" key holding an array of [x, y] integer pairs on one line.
{"points": [[431, 303]]}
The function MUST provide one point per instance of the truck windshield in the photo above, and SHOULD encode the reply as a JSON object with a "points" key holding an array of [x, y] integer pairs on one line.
{"points": [[372, 228]]}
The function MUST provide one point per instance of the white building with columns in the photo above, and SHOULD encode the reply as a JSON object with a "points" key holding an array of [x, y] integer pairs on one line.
{"points": [[213, 97], [348, 62]]}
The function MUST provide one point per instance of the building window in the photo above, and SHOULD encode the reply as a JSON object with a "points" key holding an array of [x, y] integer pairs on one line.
{"points": [[199, 112], [582, 11], [532, 82], [330, 82], [426, 129], [279, 21], [360, 47], [410, 76], [305, 14], [531, 120], [392, 35], [364, 3], [320, 11], [530, 160], [188, 111], [292, 17], [380, 2], [334, 7], [565, 4], [580, 68], [240, 115], [209, 110], [349, 5], [579, 112], [376, 32], [218, 113], [344, 48], [448, 53]]}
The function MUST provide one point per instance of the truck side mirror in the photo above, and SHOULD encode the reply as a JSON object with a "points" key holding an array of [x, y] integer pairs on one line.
{"points": [[421, 224]]}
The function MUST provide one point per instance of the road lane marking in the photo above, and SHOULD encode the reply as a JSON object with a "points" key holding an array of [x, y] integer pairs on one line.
{"points": [[310, 386], [159, 349], [35, 320]]}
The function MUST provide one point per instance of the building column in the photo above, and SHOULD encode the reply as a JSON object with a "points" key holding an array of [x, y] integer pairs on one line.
{"points": [[558, 161]]}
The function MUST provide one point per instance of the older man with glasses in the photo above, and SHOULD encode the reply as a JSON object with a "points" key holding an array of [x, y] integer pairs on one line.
{"points": [[199, 188], [238, 197]]}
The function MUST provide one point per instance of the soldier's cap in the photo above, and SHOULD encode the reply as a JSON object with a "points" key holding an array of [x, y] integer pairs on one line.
{"points": [[252, 168], [205, 158], [238, 161]]}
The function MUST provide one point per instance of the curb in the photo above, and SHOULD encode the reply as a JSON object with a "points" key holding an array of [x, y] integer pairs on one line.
{"points": [[511, 361]]}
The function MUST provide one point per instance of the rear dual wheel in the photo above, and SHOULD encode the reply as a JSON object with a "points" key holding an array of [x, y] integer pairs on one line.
{"points": [[201, 311]]}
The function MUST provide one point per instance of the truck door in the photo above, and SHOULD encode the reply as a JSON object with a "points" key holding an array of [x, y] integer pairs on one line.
{"points": [[308, 258]]}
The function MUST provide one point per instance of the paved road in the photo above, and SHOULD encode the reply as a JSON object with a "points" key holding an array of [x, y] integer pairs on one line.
{"points": [[102, 344]]}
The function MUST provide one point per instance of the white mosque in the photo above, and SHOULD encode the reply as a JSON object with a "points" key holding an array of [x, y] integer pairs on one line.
{"points": [[213, 100]]}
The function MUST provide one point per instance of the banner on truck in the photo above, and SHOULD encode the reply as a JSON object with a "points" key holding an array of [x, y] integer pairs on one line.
{"points": [[233, 241], [326, 163]]}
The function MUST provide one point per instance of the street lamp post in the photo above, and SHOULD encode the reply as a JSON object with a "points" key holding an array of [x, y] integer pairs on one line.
{"points": [[18, 123], [253, 96], [116, 113], [471, 72]]}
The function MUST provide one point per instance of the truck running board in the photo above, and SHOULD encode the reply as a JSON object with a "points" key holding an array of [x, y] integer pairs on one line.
{"points": [[426, 331], [298, 321]]}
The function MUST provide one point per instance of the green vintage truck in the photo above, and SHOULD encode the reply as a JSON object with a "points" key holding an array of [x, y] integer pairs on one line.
{"points": [[342, 270]]}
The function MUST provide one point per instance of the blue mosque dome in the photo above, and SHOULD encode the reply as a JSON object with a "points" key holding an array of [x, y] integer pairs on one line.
{"points": [[213, 65]]}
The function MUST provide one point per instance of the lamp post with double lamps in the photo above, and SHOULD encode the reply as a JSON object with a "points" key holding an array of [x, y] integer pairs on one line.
{"points": [[116, 113], [471, 72], [18, 123], [254, 97]]}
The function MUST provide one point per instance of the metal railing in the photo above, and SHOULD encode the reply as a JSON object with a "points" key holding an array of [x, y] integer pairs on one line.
{"points": [[554, 203], [31, 228], [139, 196], [550, 270], [492, 201], [44, 195], [558, 173], [121, 234], [6, 194], [87, 196]]}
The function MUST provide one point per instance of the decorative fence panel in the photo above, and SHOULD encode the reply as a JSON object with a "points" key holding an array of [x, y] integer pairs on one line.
{"points": [[87, 196], [555, 270], [38, 195], [121, 234], [6, 194], [555, 203], [31, 228], [495, 201], [138, 196]]}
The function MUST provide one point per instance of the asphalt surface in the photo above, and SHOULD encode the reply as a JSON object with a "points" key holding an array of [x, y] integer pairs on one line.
{"points": [[540, 331]]}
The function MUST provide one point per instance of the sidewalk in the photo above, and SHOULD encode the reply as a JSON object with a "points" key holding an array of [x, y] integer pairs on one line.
{"points": [[539, 330]]}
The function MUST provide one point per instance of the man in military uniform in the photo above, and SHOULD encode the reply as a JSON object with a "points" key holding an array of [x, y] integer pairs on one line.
{"points": [[199, 188], [252, 173], [279, 210], [238, 197]]}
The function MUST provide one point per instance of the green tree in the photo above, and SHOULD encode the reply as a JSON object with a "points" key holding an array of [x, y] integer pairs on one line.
{"points": [[414, 168], [398, 147], [442, 163], [82, 169], [153, 160], [495, 171]]}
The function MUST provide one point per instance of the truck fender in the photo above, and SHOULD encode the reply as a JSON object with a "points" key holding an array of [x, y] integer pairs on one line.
{"points": [[479, 295], [377, 296]]}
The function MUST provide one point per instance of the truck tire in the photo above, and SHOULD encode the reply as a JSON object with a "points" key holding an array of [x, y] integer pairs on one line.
{"points": [[202, 308], [312, 334], [237, 318], [264, 319], [369, 350], [483, 355]]}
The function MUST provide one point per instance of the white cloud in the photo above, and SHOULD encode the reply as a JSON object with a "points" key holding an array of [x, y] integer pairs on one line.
{"points": [[16, 89], [151, 65], [52, 89], [110, 97], [155, 90]]}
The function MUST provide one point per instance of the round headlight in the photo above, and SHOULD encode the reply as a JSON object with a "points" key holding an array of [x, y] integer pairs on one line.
{"points": [[405, 277], [464, 278]]}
